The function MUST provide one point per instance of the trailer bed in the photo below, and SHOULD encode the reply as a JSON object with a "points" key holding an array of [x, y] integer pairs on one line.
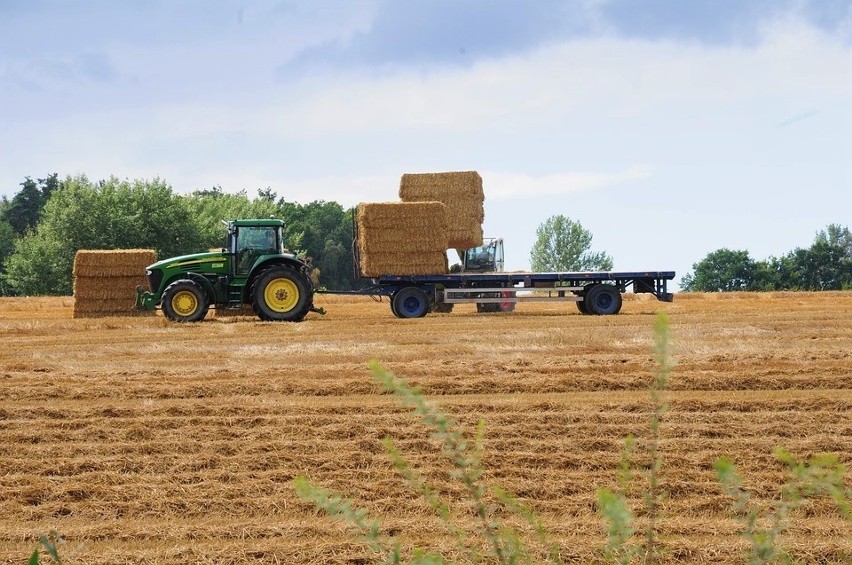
{"points": [[595, 292]]}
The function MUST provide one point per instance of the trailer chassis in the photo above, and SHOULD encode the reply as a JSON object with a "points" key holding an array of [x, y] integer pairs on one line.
{"points": [[598, 293]]}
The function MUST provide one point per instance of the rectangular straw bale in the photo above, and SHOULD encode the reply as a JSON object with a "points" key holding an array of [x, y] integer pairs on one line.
{"points": [[88, 307], [402, 238], [421, 215], [376, 240], [463, 195], [108, 287], [377, 264], [417, 187], [112, 262]]}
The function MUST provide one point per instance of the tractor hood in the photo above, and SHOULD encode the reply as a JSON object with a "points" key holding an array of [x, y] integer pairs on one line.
{"points": [[188, 262]]}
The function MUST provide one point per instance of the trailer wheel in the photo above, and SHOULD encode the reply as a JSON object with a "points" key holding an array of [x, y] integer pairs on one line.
{"points": [[603, 299], [581, 304], [410, 302], [281, 294], [185, 301]]}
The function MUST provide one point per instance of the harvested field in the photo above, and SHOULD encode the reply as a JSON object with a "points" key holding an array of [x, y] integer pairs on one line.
{"points": [[143, 441]]}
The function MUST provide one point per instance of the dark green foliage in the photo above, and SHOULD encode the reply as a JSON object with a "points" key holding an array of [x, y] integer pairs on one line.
{"points": [[110, 214], [722, 270], [53, 219], [7, 246], [324, 231], [24, 210], [209, 208], [825, 265], [563, 244]]}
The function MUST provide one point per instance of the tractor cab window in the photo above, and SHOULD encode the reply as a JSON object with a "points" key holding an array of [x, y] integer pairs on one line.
{"points": [[481, 257], [252, 242], [487, 258]]}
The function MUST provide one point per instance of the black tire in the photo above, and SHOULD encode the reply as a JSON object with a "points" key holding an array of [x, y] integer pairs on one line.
{"points": [[281, 294], [487, 307], [507, 306], [410, 302], [603, 300], [185, 301], [581, 304], [443, 307]]}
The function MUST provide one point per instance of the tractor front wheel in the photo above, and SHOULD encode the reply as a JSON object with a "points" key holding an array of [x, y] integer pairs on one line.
{"points": [[185, 301], [282, 294]]}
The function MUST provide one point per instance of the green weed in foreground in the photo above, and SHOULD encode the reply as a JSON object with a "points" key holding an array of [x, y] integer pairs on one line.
{"points": [[613, 505], [821, 475], [505, 545], [49, 543]]}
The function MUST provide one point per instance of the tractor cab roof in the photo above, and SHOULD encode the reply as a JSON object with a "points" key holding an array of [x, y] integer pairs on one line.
{"points": [[257, 223]]}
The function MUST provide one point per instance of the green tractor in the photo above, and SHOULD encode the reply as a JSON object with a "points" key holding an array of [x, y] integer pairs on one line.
{"points": [[253, 268]]}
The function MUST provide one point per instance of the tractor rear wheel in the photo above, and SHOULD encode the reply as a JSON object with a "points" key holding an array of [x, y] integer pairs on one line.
{"points": [[281, 294], [185, 301]]}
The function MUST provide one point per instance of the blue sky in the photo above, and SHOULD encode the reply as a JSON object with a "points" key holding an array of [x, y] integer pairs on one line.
{"points": [[669, 128]]}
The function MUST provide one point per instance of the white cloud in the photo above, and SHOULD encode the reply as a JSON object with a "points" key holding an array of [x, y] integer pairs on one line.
{"points": [[579, 115]]}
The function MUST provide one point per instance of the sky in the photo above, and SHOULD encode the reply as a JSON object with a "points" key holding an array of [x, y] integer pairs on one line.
{"points": [[667, 128]]}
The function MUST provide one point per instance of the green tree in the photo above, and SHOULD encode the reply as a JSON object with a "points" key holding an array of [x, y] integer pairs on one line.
{"points": [[209, 208], [724, 270], [562, 244], [110, 214], [25, 208], [7, 246], [324, 231], [822, 266], [835, 234]]}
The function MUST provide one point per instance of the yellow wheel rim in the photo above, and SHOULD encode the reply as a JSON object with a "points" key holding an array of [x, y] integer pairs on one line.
{"points": [[281, 295], [184, 303]]}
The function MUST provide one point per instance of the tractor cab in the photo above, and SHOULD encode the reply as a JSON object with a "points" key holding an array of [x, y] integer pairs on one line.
{"points": [[250, 239], [487, 258]]}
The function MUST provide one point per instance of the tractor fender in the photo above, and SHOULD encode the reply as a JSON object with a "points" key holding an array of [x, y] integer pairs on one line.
{"points": [[205, 284], [264, 263]]}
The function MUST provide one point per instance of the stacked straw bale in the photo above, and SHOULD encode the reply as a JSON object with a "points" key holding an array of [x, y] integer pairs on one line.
{"points": [[461, 192], [402, 238], [105, 280]]}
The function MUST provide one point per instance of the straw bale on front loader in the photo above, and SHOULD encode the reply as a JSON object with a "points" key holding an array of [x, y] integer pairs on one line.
{"points": [[105, 281]]}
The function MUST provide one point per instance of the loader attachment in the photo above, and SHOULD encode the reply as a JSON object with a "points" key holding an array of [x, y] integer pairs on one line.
{"points": [[145, 300]]}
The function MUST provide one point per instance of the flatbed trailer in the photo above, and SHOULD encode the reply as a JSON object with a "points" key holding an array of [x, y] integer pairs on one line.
{"points": [[597, 293]]}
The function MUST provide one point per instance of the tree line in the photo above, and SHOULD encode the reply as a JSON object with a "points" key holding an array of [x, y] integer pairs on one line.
{"points": [[45, 223], [825, 265], [50, 219]]}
